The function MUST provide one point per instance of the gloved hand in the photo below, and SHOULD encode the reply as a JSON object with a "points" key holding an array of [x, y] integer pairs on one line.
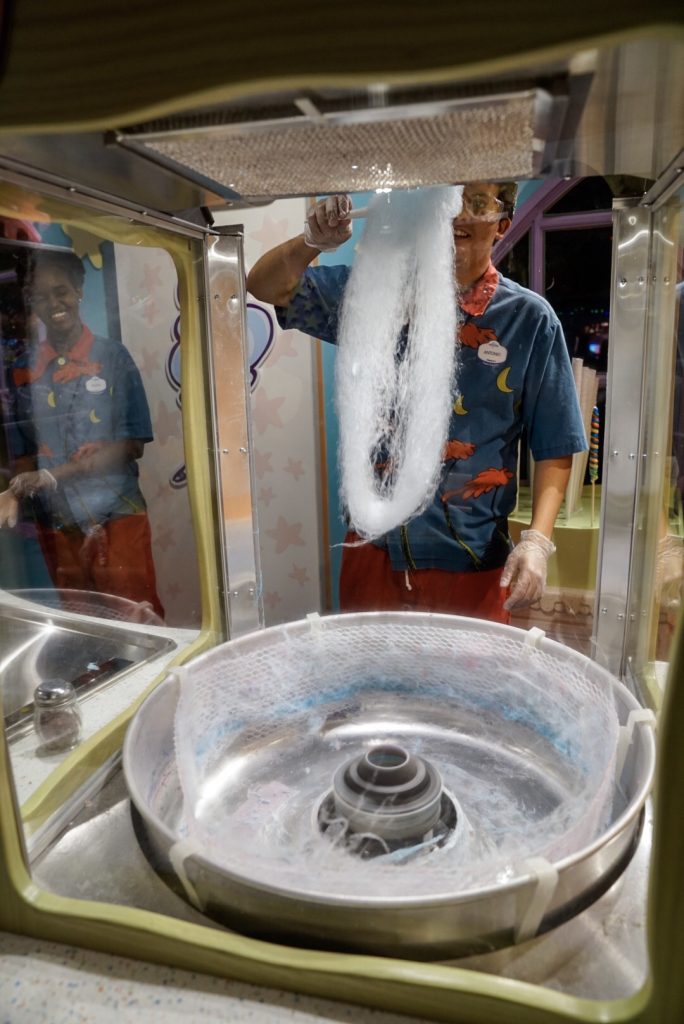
{"points": [[327, 224], [9, 509], [669, 576], [25, 485], [527, 562]]}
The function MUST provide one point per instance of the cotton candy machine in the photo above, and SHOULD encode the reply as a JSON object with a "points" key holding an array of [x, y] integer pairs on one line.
{"points": [[398, 783]]}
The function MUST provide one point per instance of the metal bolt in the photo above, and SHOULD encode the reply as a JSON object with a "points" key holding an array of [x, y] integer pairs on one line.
{"points": [[621, 615], [604, 611], [225, 451], [632, 455], [244, 450], [615, 453]]}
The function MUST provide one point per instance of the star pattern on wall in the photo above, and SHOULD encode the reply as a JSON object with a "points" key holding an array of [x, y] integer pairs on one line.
{"points": [[262, 463], [286, 535], [166, 423], [299, 574], [295, 467], [266, 495], [164, 538], [285, 347], [150, 277], [272, 599], [150, 362], [270, 232], [265, 411]]}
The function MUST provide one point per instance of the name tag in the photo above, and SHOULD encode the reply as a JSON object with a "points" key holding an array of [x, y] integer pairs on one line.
{"points": [[95, 385], [492, 352]]}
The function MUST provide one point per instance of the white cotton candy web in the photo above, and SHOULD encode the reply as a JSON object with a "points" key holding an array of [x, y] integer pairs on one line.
{"points": [[394, 402], [524, 738]]}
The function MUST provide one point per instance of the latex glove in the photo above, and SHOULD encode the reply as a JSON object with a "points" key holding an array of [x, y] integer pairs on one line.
{"points": [[527, 565], [9, 509], [669, 575], [327, 224], [25, 485]]}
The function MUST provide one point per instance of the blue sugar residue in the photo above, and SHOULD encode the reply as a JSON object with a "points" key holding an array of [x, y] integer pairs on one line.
{"points": [[317, 701]]}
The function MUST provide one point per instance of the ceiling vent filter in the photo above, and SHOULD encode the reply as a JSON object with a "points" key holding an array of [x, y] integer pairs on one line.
{"points": [[301, 148]]}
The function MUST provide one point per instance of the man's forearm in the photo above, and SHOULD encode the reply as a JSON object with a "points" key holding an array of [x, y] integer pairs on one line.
{"points": [[98, 459], [550, 482], [274, 278]]}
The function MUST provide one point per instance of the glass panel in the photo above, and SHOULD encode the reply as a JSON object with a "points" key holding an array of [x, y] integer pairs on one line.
{"points": [[577, 274], [98, 566], [656, 590]]}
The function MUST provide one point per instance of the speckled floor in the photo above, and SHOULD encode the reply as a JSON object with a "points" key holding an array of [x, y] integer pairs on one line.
{"points": [[46, 983]]}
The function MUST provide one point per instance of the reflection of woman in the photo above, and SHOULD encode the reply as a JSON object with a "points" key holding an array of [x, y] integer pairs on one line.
{"points": [[80, 424]]}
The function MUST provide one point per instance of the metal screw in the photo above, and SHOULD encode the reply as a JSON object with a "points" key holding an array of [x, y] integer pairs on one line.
{"points": [[225, 451], [604, 611], [621, 615], [244, 450]]}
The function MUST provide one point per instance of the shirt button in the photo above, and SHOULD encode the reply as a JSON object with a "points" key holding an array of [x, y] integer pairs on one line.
{"points": [[61, 361]]}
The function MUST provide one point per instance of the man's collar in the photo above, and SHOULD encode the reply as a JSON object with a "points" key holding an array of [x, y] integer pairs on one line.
{"points": [[474, 300]]}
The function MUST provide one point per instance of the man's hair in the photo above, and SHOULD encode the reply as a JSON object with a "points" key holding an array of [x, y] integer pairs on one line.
{"points": [[67, 262], [508, 193]]}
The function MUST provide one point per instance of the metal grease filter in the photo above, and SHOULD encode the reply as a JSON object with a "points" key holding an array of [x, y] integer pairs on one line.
{"points": [[489, 139]]}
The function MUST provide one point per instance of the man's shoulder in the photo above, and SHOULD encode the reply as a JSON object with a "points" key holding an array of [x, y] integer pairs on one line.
{"points": [[531, 302]]}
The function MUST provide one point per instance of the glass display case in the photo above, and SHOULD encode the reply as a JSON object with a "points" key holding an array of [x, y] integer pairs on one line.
{"points": [[657, 576]]}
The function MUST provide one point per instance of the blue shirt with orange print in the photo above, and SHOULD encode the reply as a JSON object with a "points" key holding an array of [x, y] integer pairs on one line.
{"points": [[513, 371], [63, 407]]}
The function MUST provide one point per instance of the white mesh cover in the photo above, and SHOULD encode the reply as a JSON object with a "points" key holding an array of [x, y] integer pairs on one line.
{"points": [[524, 739]]}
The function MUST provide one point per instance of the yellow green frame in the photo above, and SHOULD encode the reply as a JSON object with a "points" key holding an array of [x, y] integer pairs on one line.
{"points": [[64, 72]]}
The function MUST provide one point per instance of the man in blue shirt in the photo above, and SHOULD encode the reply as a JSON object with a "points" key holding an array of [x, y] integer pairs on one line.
{"points": [[79, 424], [514, 372]]}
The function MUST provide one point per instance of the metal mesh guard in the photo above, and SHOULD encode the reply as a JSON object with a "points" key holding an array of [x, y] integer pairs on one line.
{"points": [[475, 142]]}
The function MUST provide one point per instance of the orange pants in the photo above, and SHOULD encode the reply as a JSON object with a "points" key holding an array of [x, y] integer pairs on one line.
{"points": [[369, 583], [116, 559]]}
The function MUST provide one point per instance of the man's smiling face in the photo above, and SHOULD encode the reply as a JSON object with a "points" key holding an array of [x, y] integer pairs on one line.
{"points": [[475, 234]]}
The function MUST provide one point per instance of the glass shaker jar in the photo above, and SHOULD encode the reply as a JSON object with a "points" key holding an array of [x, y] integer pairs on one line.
{"points": [[56, 715]]}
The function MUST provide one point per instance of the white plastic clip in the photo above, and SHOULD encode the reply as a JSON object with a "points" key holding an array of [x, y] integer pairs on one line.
{"points": [[314, 621], [177, 675], [626, 734], [544, 889], [534, 636], [178, 854]]}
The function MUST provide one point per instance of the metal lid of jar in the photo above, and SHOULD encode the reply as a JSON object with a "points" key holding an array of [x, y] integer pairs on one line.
{"points": [[53, 692]]}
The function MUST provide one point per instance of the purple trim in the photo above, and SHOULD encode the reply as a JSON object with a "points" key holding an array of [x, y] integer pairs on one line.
{"points": [[573, 221], [546, 195], [537, 257]]}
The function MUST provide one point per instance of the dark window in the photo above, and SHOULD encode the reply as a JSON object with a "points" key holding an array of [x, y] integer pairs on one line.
{"points": [[516, 263], [590, 194]]}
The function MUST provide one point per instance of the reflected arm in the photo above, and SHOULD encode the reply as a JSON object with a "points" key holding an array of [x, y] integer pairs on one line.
{"points": [[97, 459]]}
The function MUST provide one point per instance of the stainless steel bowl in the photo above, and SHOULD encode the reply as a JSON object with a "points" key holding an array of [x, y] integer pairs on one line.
{"points": [[454, 918]]}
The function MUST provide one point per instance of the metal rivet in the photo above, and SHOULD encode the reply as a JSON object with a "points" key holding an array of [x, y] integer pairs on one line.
{"points": [[244, 450], [621, 615], [604, 611]]}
